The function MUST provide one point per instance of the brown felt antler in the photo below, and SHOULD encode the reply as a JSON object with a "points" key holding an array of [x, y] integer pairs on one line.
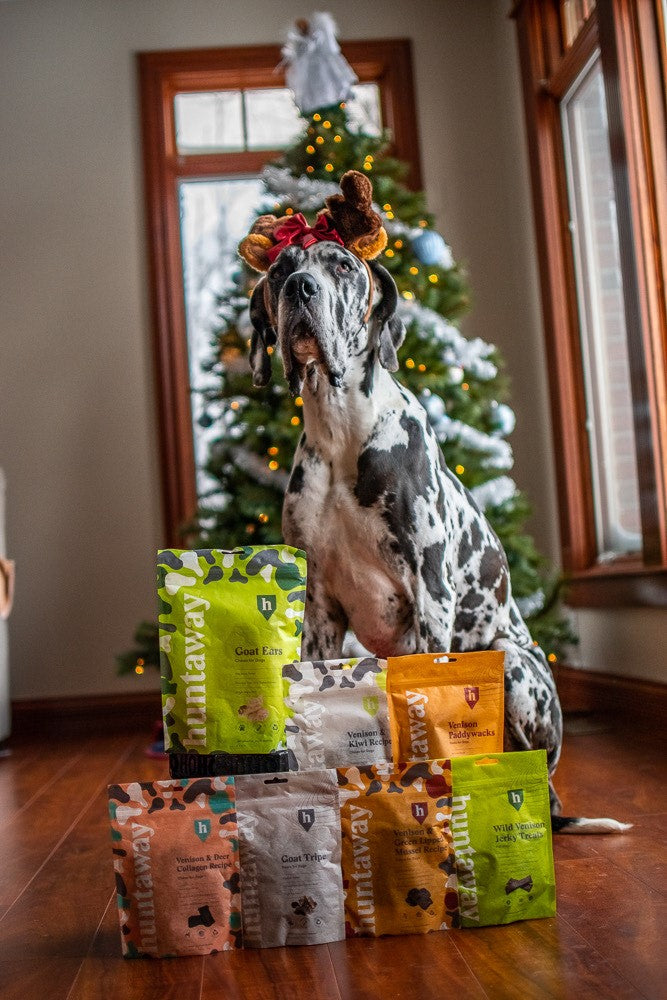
{"points": [[358, 225]]}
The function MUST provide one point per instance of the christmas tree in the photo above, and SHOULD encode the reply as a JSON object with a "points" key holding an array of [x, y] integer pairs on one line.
{"points": [[459, 381]]}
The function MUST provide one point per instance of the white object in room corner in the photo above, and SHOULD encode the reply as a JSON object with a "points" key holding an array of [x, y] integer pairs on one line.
{"points": [[5, 716]]}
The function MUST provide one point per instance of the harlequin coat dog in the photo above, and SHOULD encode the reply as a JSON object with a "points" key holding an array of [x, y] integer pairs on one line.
{"points": [[397, 548]]}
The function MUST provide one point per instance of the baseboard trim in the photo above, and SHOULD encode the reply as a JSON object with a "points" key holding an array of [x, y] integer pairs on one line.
{"points": [[79, 716], [579, 691], [606, 694]]}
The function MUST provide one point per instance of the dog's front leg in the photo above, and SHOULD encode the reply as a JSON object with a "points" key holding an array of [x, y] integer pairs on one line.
{"points": [[433, 623], [325, 622], [434, 599]]}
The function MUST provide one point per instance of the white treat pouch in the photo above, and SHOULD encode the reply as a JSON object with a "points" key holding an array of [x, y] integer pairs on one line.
{"points": [[336, 713], [290, 849]]}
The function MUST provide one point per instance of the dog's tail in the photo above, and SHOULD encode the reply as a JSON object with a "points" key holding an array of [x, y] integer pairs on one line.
{"points": [[580, 824]]}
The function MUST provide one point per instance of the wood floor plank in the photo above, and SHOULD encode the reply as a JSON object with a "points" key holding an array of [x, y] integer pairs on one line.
{"points": [[48, 930], [541, 960], [426, 966], [619, 916], [32, 833], [615, 774], [641, 852], [271, 974], [26, 772]]}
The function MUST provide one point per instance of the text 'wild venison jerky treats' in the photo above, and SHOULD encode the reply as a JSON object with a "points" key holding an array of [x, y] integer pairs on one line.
{"points": [[502, 837], [398, 859], [289, 835], [176, 859], [228, 621], [445, 704], [336, 713]]}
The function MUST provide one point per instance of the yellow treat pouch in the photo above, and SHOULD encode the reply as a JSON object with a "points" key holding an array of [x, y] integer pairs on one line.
{"points": [[399, 873], [445, 704]]}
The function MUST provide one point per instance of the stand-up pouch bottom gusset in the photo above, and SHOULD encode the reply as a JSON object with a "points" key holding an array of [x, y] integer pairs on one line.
{"points": [[501, 827], [398, 857], [290, 846]]}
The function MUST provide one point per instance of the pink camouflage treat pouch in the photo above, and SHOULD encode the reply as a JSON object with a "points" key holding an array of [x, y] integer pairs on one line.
{"points": [[176, 860]]}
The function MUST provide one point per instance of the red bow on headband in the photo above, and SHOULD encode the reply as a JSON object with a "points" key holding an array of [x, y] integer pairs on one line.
{"points": [[296, 232]]}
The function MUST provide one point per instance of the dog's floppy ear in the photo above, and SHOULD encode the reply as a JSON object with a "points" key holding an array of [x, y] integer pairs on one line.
{"points": [[263, 335], [391, 330]]}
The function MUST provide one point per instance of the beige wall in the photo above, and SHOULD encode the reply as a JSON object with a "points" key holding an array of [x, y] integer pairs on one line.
{"points": [[77, 424]]}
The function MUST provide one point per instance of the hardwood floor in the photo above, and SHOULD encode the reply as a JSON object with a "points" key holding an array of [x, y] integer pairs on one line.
{"points": [[59, 935]]}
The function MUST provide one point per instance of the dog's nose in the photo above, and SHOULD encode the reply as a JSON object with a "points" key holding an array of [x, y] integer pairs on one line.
{"points": [[301, 287]]}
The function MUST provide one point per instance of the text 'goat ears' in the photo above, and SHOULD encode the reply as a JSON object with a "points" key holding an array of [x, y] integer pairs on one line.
{"points": [[263, 335], [390, 326]]}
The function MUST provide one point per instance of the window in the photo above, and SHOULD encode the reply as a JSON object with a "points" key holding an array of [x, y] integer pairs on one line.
{"points": [[594, 91], [211, 121], [601, 310]]}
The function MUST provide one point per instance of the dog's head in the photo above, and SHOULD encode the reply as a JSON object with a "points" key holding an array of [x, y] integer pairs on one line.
{"points": [[324, 306], [323, 298]]}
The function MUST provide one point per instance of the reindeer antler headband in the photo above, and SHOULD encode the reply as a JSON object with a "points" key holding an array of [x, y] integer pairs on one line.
{"points": [[348, 219]]}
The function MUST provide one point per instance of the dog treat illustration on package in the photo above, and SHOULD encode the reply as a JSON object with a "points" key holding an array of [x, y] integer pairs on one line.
{"points": [[228, 621], [289, 834], [502, 838], [445, 704], [398, 859], [176, 860], [337, 713]]}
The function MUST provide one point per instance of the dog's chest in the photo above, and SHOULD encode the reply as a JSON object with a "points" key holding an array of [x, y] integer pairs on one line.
{"points": [[346, 543]]}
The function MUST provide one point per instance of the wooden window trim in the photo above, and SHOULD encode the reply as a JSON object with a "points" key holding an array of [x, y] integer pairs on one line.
{"points": [[624, 32], [387, 62]]}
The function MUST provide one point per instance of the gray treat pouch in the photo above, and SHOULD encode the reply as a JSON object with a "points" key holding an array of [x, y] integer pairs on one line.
{"points": [[290, 848], [336, 713]]}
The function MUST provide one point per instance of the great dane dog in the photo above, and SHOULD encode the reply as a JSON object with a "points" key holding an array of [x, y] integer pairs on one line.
{"points": [[397, 548]]}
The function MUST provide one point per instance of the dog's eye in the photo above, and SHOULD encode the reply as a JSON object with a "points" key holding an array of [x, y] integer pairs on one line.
{"points": [[343, 267]]}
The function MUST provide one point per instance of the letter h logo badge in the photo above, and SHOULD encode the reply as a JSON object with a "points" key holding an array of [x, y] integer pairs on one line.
{"points": [[515, 797], [202, 828], [420, 811], [471, 695], [266, 605], [306, 818]]}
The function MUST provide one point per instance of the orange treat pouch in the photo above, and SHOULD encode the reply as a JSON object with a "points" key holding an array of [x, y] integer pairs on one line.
{"points": [[399, 871], [445, 704]]}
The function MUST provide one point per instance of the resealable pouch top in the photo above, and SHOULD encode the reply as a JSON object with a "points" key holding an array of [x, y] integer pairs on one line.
{"points": [[398, 858], [501, 826], [289, 838], [336, 713], [176, 861], [445, 704], [228, 621]]}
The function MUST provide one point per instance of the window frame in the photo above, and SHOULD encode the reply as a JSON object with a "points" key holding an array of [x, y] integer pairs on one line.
{"points": [[387, 62], [626, 33]]}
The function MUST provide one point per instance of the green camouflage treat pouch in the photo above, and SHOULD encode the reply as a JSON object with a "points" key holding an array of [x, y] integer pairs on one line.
{"points": [[501, 827], [228, 621], [337, 713]]}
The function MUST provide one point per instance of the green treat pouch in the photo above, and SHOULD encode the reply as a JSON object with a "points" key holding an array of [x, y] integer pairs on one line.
{"points": [[228, 621], [501, 826]]}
